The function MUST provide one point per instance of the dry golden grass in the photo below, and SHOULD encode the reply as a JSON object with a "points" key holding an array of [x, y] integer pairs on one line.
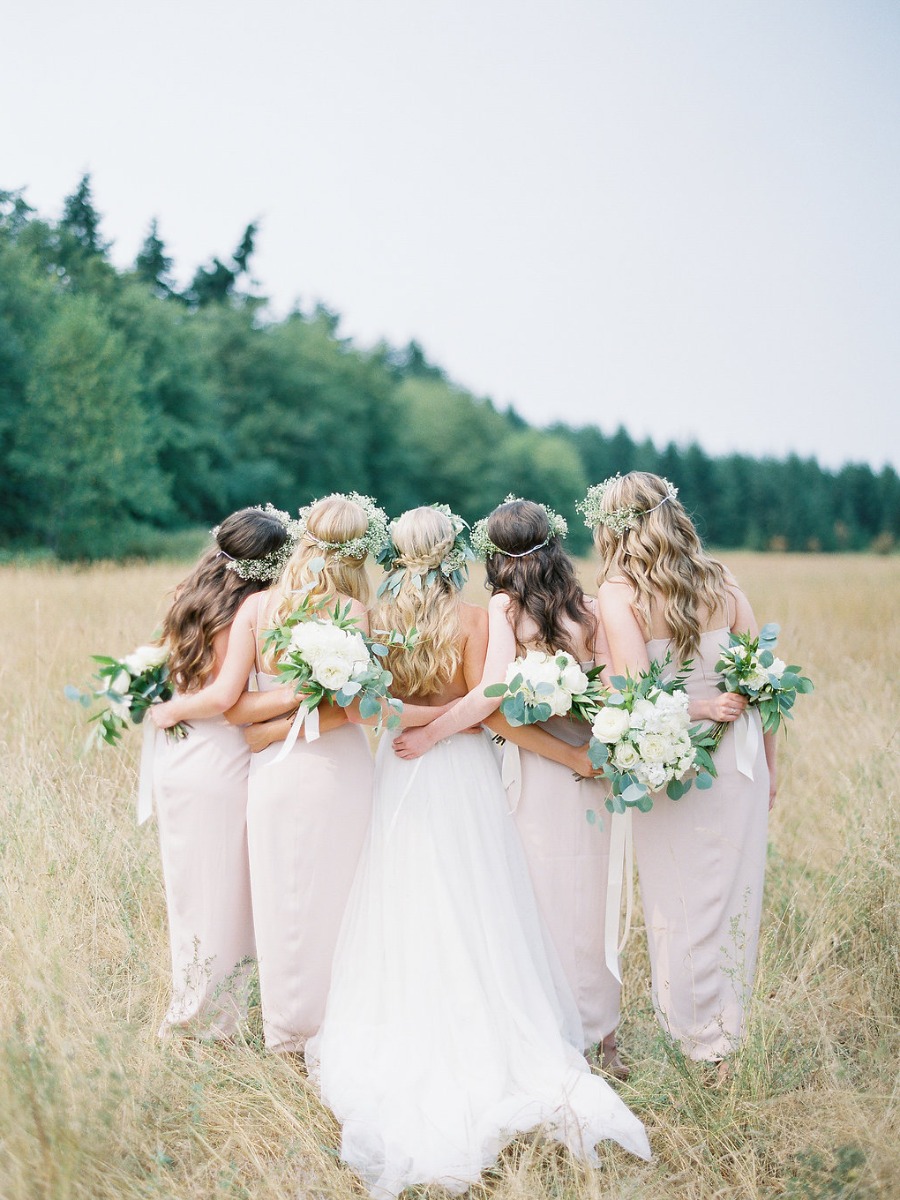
{"points": [[93, 1106]]}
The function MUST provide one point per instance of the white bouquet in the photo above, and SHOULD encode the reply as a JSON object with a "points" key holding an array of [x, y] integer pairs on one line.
{"points": [[539, 686], [327, 657], [129, 686], [644, 742]]}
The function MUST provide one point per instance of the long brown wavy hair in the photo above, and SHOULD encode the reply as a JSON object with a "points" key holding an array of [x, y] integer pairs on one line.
{"points": [[663, 559], [422, 537], [542, 584], [205, 602]]}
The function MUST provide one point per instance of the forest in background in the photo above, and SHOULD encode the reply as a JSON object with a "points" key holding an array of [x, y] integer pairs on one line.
{"points": [[131, 409]]}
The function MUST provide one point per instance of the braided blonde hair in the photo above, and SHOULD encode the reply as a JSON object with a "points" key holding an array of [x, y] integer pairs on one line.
{"points": [[662, 558], [422, 537], [334, 519]]}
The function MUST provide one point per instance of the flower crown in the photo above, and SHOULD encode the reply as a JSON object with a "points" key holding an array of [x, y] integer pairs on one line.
{"points": [[368, 543], [453, 566], [483, 546], [267, 568], [620, 519]]}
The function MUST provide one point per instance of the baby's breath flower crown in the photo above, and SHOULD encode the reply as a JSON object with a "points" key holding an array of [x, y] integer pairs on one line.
{"points": [[454, 566], [483, 546], [268, 568], [620, 519], [368, 543]]}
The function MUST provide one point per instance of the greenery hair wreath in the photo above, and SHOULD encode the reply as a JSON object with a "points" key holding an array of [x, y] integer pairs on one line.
{"points": [[454, 566], [483, 546], [620, 519], [267, 568], [368, 543]]}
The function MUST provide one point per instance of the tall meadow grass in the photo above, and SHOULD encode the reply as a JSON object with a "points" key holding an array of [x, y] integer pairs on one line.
{"points": [[93, 1105]]}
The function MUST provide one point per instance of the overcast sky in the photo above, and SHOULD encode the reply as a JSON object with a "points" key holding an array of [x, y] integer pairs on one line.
{"points": [[678, 215]]}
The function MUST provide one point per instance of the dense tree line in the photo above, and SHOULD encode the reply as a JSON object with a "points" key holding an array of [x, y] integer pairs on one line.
{"points": [[129, 408]]}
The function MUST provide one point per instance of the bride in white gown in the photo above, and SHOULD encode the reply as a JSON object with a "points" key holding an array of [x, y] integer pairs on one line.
{"points": [[449, 1028]]}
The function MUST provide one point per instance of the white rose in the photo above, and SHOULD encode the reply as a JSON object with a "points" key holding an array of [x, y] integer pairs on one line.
{"points": [[777, 668], [560, 702], [610, 724], [145, 657], [758, 680], [654, 747], [573, 679], [642, 712], [332, 672], [626, 756]]}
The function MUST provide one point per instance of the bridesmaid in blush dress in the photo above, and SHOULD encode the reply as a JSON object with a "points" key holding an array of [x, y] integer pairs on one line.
{"points": [[309, 808], [537, 604], [200, 785], [701, 861]]}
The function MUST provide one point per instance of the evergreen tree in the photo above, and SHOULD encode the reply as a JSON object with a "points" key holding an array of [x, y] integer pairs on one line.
{"points": [[216, 284], [83, 442], [152, 265], [81, 221]]}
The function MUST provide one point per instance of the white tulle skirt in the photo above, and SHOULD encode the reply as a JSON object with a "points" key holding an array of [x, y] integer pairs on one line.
{"points": [[449, 1028]]}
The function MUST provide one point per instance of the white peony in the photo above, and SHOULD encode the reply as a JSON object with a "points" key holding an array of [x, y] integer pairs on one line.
{"points": [[535, 668], [144, 658], [610, 723]]}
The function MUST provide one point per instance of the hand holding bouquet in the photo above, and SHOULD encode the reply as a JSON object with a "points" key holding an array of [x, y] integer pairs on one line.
{"points": [[749, 668], [327, 657], [539, 686], [129, 686], [644, 742]]}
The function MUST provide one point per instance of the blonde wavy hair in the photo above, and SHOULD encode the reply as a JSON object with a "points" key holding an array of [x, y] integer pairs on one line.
{"points": [[422, 537], [332, 519], [663, 559]]}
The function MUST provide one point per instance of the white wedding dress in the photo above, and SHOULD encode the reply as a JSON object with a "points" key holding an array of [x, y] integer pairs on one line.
{"points": [[449, 1028]]}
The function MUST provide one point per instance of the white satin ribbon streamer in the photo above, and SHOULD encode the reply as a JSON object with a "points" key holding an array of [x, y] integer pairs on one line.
{"points": [[145, 774], [621, 869], [746, 742], [306, 719], [511, 773]]}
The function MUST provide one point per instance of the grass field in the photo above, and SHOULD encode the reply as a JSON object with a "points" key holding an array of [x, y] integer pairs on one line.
{"points": [[92, 1105]]}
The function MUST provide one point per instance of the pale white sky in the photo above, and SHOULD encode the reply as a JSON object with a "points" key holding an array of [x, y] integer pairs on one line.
{"points": [[679, 215]]}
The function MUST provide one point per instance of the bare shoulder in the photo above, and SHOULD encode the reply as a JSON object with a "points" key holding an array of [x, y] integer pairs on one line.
{"points": [[614, 594], [499, 602], [251, 608], [472, 617]]}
